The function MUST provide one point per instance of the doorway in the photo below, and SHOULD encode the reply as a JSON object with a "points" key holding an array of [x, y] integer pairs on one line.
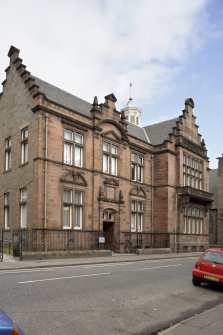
{"points": [[108, 231]]}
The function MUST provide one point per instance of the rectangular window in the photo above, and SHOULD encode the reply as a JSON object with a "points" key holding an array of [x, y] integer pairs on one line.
{"points": [[137, 167], [67, 209], [23, 208], [137, 216], [192, 175], [6, 211], [72, 209], [78, 209], [73, 148], [110, 159], [8, 154], [193, 221], [24, 145]]}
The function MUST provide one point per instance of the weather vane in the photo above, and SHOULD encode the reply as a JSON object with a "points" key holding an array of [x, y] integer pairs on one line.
{"points": [[130, 89]]}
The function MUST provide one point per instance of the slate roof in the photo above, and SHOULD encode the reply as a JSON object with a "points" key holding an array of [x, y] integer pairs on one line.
{"points": [[154, 134], [137, 132], [159, 132], [63, 98], [213, 184]]}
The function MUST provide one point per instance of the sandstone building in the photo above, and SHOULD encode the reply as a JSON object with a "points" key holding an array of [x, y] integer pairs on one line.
{"points": [[216, 213], [87, 168]]}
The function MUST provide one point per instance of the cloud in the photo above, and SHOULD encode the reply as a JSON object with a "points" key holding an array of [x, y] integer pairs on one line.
{"points": [[94, 47]]}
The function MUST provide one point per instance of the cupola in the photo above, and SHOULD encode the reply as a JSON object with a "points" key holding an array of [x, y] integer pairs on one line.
{"points": [[132, 112]]}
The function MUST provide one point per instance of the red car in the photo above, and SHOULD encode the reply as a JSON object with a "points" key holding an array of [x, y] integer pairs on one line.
{"points": [[209, 267]]}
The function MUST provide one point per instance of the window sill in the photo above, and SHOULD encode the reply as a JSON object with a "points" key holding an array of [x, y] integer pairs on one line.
{"points": [[23, 164], [6, 171]]}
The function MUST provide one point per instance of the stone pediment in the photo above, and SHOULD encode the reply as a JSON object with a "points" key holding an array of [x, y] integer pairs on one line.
{"points": [[73, 177], [111, 182], [111, 135], [138, 191]]}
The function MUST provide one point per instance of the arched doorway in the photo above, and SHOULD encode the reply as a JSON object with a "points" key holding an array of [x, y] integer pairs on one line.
{"points": [[108, 227]]}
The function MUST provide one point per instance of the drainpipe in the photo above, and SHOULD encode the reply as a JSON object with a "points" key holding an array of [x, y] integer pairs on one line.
{"points": [[152, 196], [45, 171], [175, 224]]}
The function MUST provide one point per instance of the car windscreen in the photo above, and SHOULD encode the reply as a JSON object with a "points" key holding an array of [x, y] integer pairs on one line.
{"points": [[213, 256]]}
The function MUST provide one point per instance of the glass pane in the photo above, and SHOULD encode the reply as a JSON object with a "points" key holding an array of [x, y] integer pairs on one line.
{"points": [[79, 198], [24, 153], [133, 221], [6, 198], [8, 160], [23, 195], [78, 156], [140, 221], [105, 163], [133, 205], [114, 150], [68, 135], [67, 217], [67, 196], [140, 173], [106, 147], [133, 158], [68, 148], [8, 143], [114, 166], [78, 138], [140, 206], [133, 172], [25, 134], [6, 217], [23, 216], [79, 211]]}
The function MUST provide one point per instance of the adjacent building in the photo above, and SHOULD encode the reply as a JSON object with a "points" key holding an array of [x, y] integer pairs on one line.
{"points": [[216, 213], [73, 166]]}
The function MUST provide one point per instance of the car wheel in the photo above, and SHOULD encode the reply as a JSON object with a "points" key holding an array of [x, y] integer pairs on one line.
{"points": [[196, 281]]}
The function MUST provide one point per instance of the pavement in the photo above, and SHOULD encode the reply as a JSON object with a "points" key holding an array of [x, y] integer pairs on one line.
{"points": [[10, 263], [205, 323]]}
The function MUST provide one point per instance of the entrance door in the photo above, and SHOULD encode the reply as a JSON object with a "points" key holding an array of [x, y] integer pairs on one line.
{"points": [[108, 230]]}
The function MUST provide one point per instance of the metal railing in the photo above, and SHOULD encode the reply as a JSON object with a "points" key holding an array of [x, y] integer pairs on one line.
{"points": [[39, 239], [134, 240]]}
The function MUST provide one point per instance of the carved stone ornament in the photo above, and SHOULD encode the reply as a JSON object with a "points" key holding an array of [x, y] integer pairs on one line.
{"points": [[138, 191], [73, 177]]}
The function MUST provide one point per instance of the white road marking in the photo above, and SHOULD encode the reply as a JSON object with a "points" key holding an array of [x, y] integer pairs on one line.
{"points": [[60, 278], [107, 264], [5, 272], [158, 267]]}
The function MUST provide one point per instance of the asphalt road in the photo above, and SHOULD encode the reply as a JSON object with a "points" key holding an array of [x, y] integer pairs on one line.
{"points": [[106, 299]]}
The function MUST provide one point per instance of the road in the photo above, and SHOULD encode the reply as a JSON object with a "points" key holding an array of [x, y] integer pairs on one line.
{"points": [[107, 299]]}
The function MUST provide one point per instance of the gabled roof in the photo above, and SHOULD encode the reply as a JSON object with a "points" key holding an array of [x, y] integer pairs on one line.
{"points": [[64, 98], [159, 132]]}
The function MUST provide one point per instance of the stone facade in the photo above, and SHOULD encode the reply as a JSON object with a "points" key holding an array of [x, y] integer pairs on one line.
{"points": [[152, 182]]}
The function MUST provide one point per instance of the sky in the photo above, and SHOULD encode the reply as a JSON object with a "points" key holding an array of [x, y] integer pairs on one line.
{"points": [[170, 50]]}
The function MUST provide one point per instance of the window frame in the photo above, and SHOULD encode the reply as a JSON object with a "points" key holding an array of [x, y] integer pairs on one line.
{"points": [[137, 215], [76, 209], [24, 145], [6, 210], [110, 158], [193, 220], [74, 146], [137, 167], [8, 152], [192, 172], [23, 208]]}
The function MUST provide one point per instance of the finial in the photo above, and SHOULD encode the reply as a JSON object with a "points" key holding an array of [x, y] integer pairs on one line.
{"points": [[130, 89]]}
